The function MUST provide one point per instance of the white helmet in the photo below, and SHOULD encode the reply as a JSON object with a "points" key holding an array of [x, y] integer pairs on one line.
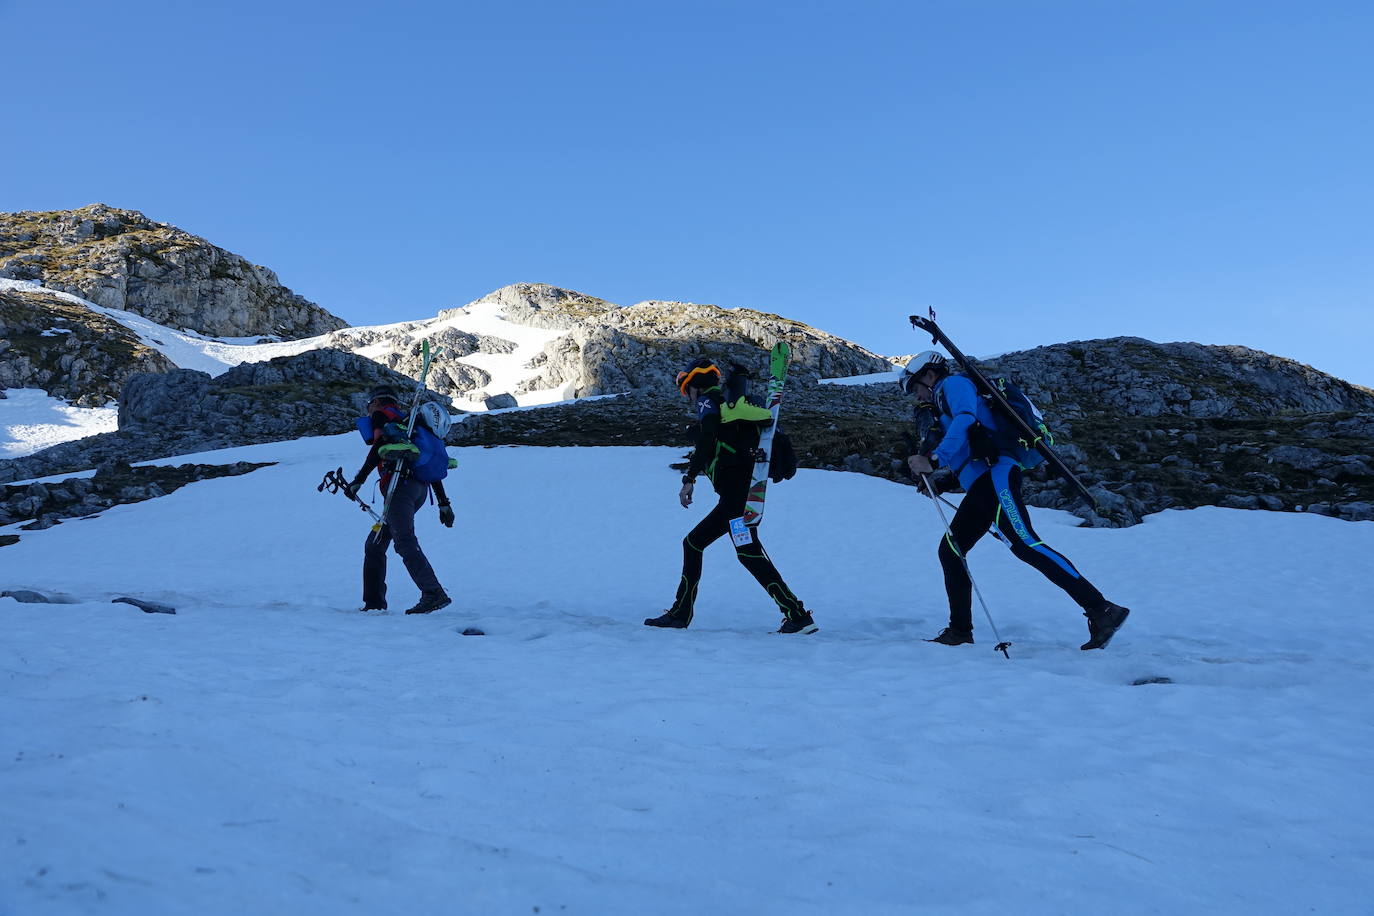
{"points": [[926, 359], [435, 416]]}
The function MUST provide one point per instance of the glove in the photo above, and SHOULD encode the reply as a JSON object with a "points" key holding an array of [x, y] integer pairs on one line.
{"points": [[941, 481], [684, 496], [446, 514], [352, 487]]}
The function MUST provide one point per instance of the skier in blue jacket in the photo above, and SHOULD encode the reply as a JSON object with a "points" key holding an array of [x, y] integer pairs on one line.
{"points": [[992, 486]]}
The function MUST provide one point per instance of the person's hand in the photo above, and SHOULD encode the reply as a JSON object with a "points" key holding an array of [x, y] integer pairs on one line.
{"points": [[919, 464], [941, 481], [446, 514], [684, 495], [352, 487]]}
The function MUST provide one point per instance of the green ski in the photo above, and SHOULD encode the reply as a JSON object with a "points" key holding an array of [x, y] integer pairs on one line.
{"points": [[425, 359], [758, 488]]}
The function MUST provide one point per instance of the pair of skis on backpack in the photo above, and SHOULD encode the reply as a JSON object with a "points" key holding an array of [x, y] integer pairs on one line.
{"points": [[741, 529]]}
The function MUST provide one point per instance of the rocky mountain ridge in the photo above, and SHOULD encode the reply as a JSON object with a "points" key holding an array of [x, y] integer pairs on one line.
{"points": [[120, 259]]}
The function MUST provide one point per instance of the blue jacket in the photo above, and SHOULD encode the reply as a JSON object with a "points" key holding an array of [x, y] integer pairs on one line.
{"points": [[960, 406]]}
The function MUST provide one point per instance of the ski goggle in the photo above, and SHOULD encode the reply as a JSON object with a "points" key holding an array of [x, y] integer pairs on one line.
{"points": [[685, 379]]}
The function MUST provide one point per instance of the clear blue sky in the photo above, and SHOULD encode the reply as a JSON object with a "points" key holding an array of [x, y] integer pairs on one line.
{"points": [[1039, 171]]}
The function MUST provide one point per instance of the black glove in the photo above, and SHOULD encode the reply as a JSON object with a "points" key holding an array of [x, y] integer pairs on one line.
{"points": [[942, 480], [352, 487], [446, 514]]}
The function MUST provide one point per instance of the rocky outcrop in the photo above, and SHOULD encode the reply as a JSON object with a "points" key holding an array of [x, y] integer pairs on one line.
{"points": [[316, 393], [609, 349], [67, 350], [397, 348], [114, 484], [1132, 377], [538, 305], [121, 259]]}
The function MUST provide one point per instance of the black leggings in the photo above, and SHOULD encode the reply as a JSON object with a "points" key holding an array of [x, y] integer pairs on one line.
{"points": [[995, 498], [733, 488]]}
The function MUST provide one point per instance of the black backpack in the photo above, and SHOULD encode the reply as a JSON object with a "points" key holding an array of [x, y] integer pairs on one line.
{"points": [[782, 461]]}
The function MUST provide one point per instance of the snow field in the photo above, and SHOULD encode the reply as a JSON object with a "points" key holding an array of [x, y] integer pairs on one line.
{"points": [[270, 750], [32, 420]]}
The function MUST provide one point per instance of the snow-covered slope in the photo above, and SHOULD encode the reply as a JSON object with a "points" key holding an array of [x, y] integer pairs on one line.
{"points": [[269, 750], [32, 420]]}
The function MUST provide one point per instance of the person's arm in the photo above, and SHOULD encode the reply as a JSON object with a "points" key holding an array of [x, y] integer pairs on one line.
{"points": [[962, 400], [708, 416], [706, 438], [372, 460], [445, 508]]}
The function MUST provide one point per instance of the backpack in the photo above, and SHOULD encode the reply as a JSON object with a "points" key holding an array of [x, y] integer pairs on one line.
{"points": [[431, 462], [740, 405], [431, 466], [782, 461], [1006, 438]]}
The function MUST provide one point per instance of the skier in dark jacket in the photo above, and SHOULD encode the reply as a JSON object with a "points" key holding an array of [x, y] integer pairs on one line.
{"points": [[963, 443], [726, 443], [398, 524]]}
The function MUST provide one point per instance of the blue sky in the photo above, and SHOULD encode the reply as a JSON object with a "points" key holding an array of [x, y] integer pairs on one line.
{"points": [[1038, 171]]}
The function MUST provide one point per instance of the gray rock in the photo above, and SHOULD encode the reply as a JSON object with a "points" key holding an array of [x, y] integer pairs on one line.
{"points": [[500, 401], [1357, 512], [24, 596], [1304, 459], [147, 607]]}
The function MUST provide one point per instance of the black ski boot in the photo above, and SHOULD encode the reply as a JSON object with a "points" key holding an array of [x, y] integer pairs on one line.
{"points": [[1103, 622], [800, 622], [372, 607], [668, 620], [430, 602], [952, 637]]}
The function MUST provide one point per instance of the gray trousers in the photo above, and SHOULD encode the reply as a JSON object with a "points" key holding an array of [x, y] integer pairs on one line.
{"points": [[399, 529]]}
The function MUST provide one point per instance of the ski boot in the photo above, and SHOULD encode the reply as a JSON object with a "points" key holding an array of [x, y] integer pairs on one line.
{"points": [[669, 621], [1103, 622], [800, 622], [952, 637], [429, 603]]}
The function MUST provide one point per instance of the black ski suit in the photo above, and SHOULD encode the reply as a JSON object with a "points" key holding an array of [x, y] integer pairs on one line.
{"points": [[993, 498], [724, 451]]}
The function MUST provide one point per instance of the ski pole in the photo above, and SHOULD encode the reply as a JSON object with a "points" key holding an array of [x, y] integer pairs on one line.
{"points": [[1001, 646], [334, 482]]}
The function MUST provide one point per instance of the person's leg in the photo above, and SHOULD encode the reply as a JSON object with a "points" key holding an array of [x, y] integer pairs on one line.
{"points": [[374, 568], [1014, 521], [970, 523], [400, 518], [755, 559], [706, 532]]}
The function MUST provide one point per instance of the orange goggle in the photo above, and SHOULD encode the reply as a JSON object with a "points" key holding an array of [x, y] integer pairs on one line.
{"points": [[685, 379]]}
